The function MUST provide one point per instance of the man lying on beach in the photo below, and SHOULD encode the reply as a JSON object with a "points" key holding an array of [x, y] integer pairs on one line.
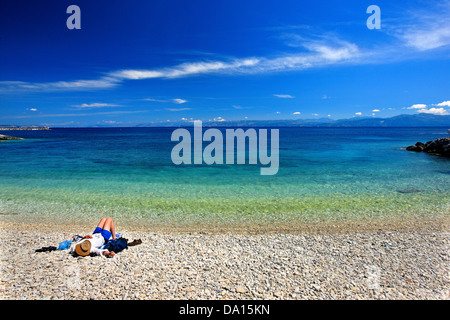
{"points": [[104, 232]]}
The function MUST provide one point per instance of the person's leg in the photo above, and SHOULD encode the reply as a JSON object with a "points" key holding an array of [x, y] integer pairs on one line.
{"points": [[109, 225], [101, 224]]}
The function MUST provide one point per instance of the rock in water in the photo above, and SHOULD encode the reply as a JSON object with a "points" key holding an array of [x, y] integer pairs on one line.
{"points": [[418, 147], [439, 146], [3, 137]]}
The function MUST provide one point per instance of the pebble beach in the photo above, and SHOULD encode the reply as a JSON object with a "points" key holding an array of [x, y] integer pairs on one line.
{"points": [[398, 262]]}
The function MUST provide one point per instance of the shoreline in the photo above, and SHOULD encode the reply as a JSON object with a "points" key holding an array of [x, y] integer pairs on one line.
{"points": [[412, 223], [397, 261]]}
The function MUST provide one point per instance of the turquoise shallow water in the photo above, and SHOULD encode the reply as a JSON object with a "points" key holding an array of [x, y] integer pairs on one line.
{"points": [[325, 174]]}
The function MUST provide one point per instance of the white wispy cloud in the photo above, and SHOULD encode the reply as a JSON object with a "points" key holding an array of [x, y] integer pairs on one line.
{"points": [[417, 106], [177, 100], [443, 104], [155, 100], [425, 29], [436, 36], [358, 113], [340, 50], [31, 109], [238, 107], [102, 83], [423, 108], [177, 109], [95, 105], [70, 114], [136, 74], [284, 96], [436, 111], [185, 69], [375, 110], [297, 112], [318, 53]]}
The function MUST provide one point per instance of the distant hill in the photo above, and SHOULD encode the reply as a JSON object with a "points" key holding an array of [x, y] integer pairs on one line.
{"points": [[403, 120]]}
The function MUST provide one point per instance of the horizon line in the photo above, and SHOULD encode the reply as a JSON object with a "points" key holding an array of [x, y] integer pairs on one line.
{"points": [[188, 123]]}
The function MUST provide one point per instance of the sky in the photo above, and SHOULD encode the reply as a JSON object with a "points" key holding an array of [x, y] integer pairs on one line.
{"points": [[135, 62]]}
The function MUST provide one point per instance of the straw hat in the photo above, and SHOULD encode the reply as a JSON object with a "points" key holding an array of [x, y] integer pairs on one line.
{"points": [[83, 248]]}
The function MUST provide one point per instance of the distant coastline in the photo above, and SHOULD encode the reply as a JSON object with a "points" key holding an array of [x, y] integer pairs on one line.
{"points": [[12, 128], [400, 121]]}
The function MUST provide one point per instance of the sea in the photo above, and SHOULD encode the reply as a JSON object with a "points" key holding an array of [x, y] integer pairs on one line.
{"points": [[70, 175]]}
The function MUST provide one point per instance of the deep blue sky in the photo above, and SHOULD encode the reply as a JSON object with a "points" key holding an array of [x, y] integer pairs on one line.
{"points": [[150, 61]]}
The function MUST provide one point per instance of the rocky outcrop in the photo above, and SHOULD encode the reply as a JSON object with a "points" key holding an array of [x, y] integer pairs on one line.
{"points": [[3, 137], [439, 146]]}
